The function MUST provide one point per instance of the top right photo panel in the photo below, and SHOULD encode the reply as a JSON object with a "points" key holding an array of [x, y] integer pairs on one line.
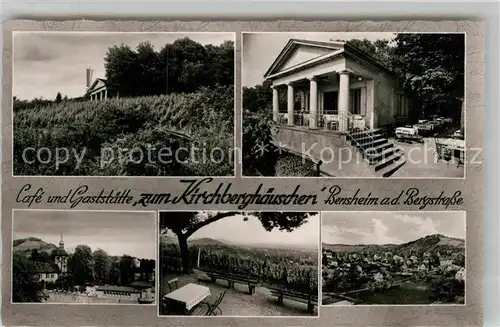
{"points": [[360, 105]]}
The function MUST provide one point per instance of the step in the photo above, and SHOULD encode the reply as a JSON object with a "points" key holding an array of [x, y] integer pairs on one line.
{"points": [[388, 160], [382, 147], [391, 169], [369, 138], [373, 144], [381, 155], [373, 131]]}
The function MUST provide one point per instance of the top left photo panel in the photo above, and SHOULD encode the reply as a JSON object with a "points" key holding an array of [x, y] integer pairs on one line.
{"points": [[123, 104]]}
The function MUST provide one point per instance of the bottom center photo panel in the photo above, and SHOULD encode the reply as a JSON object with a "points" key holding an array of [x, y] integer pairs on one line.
{"points": [[246, 264]]}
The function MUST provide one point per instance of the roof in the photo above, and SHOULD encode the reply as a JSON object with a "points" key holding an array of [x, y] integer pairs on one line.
{"points": [[60, 252], [97, 80], [46, 268], [140, 285], [114, 288], [337, 48]]}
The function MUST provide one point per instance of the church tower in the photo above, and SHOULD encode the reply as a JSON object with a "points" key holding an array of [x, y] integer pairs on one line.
{"points": [[61, 257]]}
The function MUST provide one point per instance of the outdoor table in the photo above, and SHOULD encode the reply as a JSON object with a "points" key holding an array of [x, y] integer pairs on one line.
{"points": [[189, 295], [456, 146]]}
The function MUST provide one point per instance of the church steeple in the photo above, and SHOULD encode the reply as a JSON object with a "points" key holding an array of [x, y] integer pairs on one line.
{"points": [[61, 242]]}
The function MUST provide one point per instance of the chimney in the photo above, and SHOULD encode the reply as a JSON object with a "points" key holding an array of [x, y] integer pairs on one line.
{"points": [[89, 76]]}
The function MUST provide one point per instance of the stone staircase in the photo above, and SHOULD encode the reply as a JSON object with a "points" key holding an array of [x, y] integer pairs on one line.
{"points": [[377, 151]]}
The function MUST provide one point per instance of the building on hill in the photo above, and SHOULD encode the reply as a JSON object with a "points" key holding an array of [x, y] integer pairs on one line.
{"points": [[460, 275], [99, 88]]}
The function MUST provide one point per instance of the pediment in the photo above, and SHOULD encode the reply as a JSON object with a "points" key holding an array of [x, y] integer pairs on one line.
{"points": [[98, 83], [297, 52]]}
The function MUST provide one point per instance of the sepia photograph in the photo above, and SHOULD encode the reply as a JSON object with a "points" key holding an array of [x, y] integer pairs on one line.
{"points": [[353, 104], [244, 264], [123, 104], [393, 258], [83, 257]]}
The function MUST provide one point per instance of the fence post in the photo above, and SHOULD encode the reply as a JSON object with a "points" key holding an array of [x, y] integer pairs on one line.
{"points": [[198, 260], [318, 168]]}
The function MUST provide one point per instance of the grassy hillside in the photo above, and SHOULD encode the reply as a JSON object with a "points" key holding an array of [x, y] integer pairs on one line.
{"points": [[121, 124], [30, 243]]}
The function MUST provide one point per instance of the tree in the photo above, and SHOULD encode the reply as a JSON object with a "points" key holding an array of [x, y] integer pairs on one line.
{"points": [[81, 265], [58, 97], [25, 285], [186, 223], [40, 256], [122, 70], [431, 67], [127, 269], [102, 265]]}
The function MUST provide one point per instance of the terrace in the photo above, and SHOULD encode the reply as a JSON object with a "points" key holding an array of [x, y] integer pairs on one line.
{"points": [[237, 300]]}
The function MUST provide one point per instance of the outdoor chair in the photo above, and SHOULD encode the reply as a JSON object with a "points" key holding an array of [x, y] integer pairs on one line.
{"points": [[173, 282], [214, 306], [442, 151]]}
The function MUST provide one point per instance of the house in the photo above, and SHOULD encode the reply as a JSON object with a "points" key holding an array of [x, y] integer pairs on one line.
{"points": [[446, 263], [378, 277], [335, 92], [118, 292], [460, 275], [51, 271], [99, 88], [47, 272]]}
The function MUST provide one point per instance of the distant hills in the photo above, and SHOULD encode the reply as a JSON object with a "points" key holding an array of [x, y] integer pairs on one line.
{"points": [[427, 243], [207, 241], [30, 243]]}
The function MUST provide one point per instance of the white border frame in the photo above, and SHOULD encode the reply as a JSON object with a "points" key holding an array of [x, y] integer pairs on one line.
{"points": [[145, 212]]}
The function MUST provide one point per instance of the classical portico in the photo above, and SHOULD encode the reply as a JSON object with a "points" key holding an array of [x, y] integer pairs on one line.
{"points": [[332, 96], [332, 86]]}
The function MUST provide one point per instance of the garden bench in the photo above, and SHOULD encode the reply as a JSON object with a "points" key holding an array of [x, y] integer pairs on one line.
{"points": [[234, 278], [309, 299]]}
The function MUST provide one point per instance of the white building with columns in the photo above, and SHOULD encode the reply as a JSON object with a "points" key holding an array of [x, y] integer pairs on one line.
{"points": [[98, 90], [334, 86]]}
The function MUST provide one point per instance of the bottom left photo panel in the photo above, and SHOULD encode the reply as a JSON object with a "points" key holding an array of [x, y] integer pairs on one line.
{"points": [[84, 257]]}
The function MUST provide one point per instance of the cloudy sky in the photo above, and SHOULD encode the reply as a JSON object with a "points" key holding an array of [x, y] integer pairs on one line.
{"points": [[50, 62], [117, 233], [261, 49], [236, 230], [389, 227]]}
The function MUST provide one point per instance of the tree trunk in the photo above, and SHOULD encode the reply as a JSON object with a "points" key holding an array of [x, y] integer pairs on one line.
{"points": [[183, 246]]}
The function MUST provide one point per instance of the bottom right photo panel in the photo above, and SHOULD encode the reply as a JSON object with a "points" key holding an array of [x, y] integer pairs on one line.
{"points": [[393, 258]]}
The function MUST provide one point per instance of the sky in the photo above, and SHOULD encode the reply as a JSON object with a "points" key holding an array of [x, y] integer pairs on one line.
{"points": [[389, 227], [117, 233], [236, 230], [49, 62], [261, 49]]}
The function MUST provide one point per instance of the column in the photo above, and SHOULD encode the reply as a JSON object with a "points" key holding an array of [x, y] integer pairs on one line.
{"points": [[290, 102], [105, 94], [343, 101], [302, 100], [276, 104], [313, 103]]}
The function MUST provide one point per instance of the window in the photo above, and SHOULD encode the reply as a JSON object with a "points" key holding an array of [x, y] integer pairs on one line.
{"points": [[355, 101], [401, 105]]}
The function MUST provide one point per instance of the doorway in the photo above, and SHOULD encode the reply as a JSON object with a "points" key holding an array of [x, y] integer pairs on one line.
{"points": [[330, 103]]}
